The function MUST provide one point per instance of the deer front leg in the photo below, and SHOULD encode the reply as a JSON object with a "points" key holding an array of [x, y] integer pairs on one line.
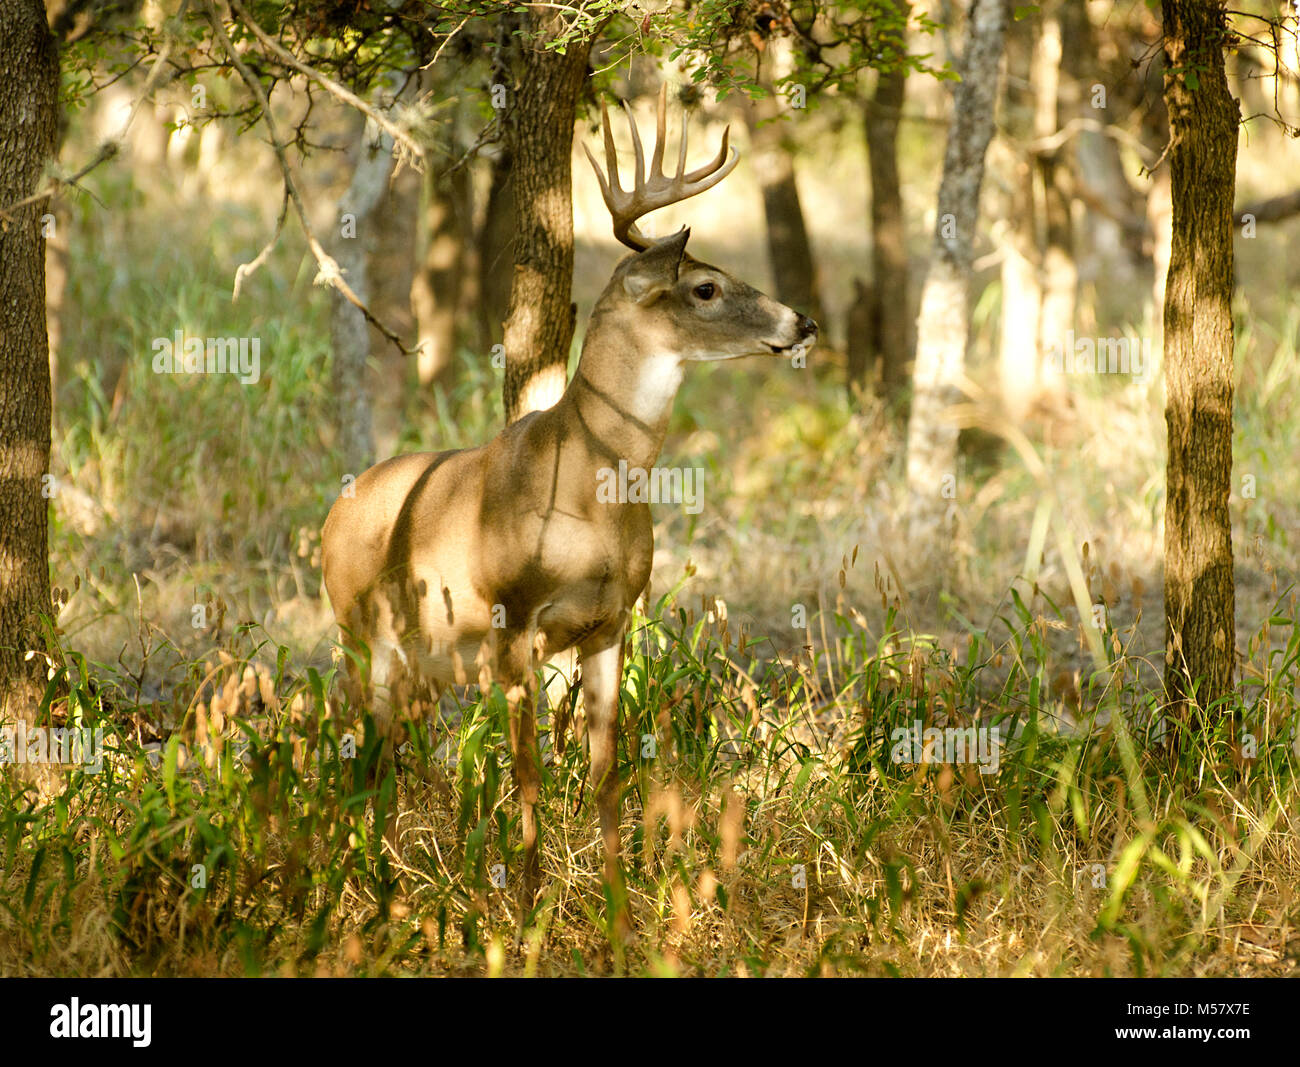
{"points": [[521, 697], [602, 673]]}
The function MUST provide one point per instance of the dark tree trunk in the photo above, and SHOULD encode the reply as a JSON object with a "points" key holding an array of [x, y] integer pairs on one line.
{"points": [[891, 312], [788, 250], [539, 133], [436, 288], [496, 253], [862, 340], [1199, 594], [29, 100]]}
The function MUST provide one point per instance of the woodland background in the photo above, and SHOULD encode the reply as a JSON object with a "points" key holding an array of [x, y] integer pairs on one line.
{"points": [[828, 592]]}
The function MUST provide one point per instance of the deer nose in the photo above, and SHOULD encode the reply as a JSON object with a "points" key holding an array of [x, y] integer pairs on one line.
{"points": [[807, 325]]}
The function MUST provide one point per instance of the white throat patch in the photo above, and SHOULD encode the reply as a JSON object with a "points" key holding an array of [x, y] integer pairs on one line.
{"points": [[661, 374]]}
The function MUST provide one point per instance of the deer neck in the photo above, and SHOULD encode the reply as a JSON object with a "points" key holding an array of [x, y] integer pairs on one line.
{"points": [[622, 393]]}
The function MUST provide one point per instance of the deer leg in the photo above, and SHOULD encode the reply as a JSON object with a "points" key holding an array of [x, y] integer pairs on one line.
{"points": [[602, 673], [521, 702]]}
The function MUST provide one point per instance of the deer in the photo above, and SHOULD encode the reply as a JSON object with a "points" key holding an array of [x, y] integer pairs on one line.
{"points": [[487, 562]]}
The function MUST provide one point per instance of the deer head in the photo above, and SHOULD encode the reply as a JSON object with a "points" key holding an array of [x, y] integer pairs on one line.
{"points": [[667, 298]]}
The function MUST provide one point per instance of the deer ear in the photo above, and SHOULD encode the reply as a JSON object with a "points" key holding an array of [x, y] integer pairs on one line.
{"points": [[653, 272]]}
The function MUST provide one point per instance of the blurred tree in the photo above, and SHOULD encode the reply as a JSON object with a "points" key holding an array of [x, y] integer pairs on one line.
{"points": [[349, 332], [446, 240], [944, 323], [1200, 653], [789, 252], [495, 247], [890, 314], [1016, 229], [1054, 95], [29, 122]]}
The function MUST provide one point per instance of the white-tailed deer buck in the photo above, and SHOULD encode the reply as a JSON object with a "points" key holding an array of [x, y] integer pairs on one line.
{"points": [[478, 565]]}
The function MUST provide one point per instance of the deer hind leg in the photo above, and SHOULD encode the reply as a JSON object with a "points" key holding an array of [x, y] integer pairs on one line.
{"points": [[516, 662], [602, 674], [380, 679], [559, 674]]}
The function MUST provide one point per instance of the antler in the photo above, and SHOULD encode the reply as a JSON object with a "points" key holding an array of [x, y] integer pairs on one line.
{"points": [[655, 190]]}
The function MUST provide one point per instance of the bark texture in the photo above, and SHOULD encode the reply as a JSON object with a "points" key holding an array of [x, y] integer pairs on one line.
{"points": [[496, 252], [349, 332], [29, 88], [944, 322], [890, 314], [436, 288], [788, 249], [539, 134], [1199, 593]]}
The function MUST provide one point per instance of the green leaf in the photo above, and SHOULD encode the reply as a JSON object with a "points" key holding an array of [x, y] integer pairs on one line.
{"points": [[1024, 11], [1191, 80]]}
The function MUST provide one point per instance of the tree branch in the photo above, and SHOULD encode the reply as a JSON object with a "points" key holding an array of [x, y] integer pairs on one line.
{"points": [[328, 272], [286, 57], [1272, 210]]}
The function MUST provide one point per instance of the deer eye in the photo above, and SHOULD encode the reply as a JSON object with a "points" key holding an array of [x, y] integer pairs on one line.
{"points": [[706, 291]]}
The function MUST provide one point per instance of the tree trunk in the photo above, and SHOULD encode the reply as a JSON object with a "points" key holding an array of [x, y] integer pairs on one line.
{"points": [[891, 311], [1015, 201], [436, 288], [539, 132], [1060, 276], [496, 252], [944, 322], [862, 341], [1199, 596], [1019, 358], [354, 449], [788, 250], [29, 100]]}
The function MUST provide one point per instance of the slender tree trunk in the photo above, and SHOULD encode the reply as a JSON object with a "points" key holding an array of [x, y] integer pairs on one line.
{"points": [[1015, 207], [29, 100], [890, 294], [436, 288], [1019, 358], [1060, 276], [944, 323], [1199, 594], [789, 251], [496, 252], [862, 340], [349, 331], [539, 132]]}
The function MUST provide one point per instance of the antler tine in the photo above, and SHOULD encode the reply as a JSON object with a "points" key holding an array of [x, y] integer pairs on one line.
{"points": [[653, 190], [661, 133], [639, 183], [611, 153], [681, 150], [717, 168]]}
